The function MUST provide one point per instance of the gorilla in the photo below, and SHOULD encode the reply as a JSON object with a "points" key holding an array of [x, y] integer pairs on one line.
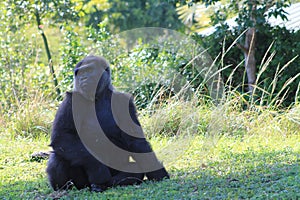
{"points": [[71, 162]]}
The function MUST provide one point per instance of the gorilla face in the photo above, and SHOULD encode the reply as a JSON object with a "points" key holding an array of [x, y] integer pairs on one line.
{"points": [[92, 77]]}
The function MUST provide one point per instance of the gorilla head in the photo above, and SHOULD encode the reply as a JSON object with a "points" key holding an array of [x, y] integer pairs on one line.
{"points": [[92, 77]]}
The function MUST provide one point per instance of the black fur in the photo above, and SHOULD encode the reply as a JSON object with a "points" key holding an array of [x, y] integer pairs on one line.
{"points": [[71, 164]]}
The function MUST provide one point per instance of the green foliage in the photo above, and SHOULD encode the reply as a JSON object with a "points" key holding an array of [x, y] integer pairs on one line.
{"points": [[255, 14], [58, 11], [154, 74], [21, 71], [75, 49], [251, 15], [99, 34], [71, 53], [13, 67], [144, 73], [30, 10], [125, 15]]}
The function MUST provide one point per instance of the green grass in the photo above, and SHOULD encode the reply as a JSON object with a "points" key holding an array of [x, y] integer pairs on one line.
{"points": [[258, 166]]}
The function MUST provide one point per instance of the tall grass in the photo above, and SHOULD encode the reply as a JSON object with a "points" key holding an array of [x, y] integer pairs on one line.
{"points": [[31, 117], [229, 118], [236, 113], [177, 122]]}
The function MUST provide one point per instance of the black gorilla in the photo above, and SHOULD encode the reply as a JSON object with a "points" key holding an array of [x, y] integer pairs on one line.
{"points": [[70, 162]]}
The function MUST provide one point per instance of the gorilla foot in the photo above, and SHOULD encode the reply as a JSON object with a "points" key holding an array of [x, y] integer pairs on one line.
{"points": [[98, 188], [128, 181]]}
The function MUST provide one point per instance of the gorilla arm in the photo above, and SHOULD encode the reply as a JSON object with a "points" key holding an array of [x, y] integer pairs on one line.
{"points": [[64, 139], [141, 145], [67, 144]]}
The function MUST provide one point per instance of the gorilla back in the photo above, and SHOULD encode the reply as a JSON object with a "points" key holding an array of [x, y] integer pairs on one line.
{"points": [[70, 162]]}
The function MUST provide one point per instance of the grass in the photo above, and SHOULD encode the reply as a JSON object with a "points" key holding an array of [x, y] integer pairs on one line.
{"points": [[251, 154]]}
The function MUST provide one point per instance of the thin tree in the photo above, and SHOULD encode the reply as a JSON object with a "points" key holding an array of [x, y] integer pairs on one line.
{"points": [[50, 63]]}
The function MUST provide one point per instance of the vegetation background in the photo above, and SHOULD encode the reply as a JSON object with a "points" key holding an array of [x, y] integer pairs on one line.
{"points": [[247, 146]]}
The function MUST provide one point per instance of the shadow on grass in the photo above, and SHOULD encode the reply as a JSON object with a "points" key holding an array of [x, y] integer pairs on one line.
{"points": [[273, 175]]}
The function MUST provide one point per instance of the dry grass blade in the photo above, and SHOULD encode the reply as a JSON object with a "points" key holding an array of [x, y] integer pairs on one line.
{"points": [[267, 52], [286, 84]]}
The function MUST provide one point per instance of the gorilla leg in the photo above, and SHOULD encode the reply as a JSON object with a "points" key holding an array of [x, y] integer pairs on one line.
{"points": [[157, 175], [79, 177], [61, 175], [58, 172], [124, 178], [98, 175]]}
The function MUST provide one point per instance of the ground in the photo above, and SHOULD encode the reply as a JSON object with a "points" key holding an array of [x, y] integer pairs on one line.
{"points": [[235, 167]]}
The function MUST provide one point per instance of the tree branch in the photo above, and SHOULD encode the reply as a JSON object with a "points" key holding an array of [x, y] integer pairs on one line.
{"points": [[243, 48]]}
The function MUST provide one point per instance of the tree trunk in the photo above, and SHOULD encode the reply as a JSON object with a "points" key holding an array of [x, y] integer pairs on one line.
{"points": [[38, 20], [249, 48], [250, 62]]}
